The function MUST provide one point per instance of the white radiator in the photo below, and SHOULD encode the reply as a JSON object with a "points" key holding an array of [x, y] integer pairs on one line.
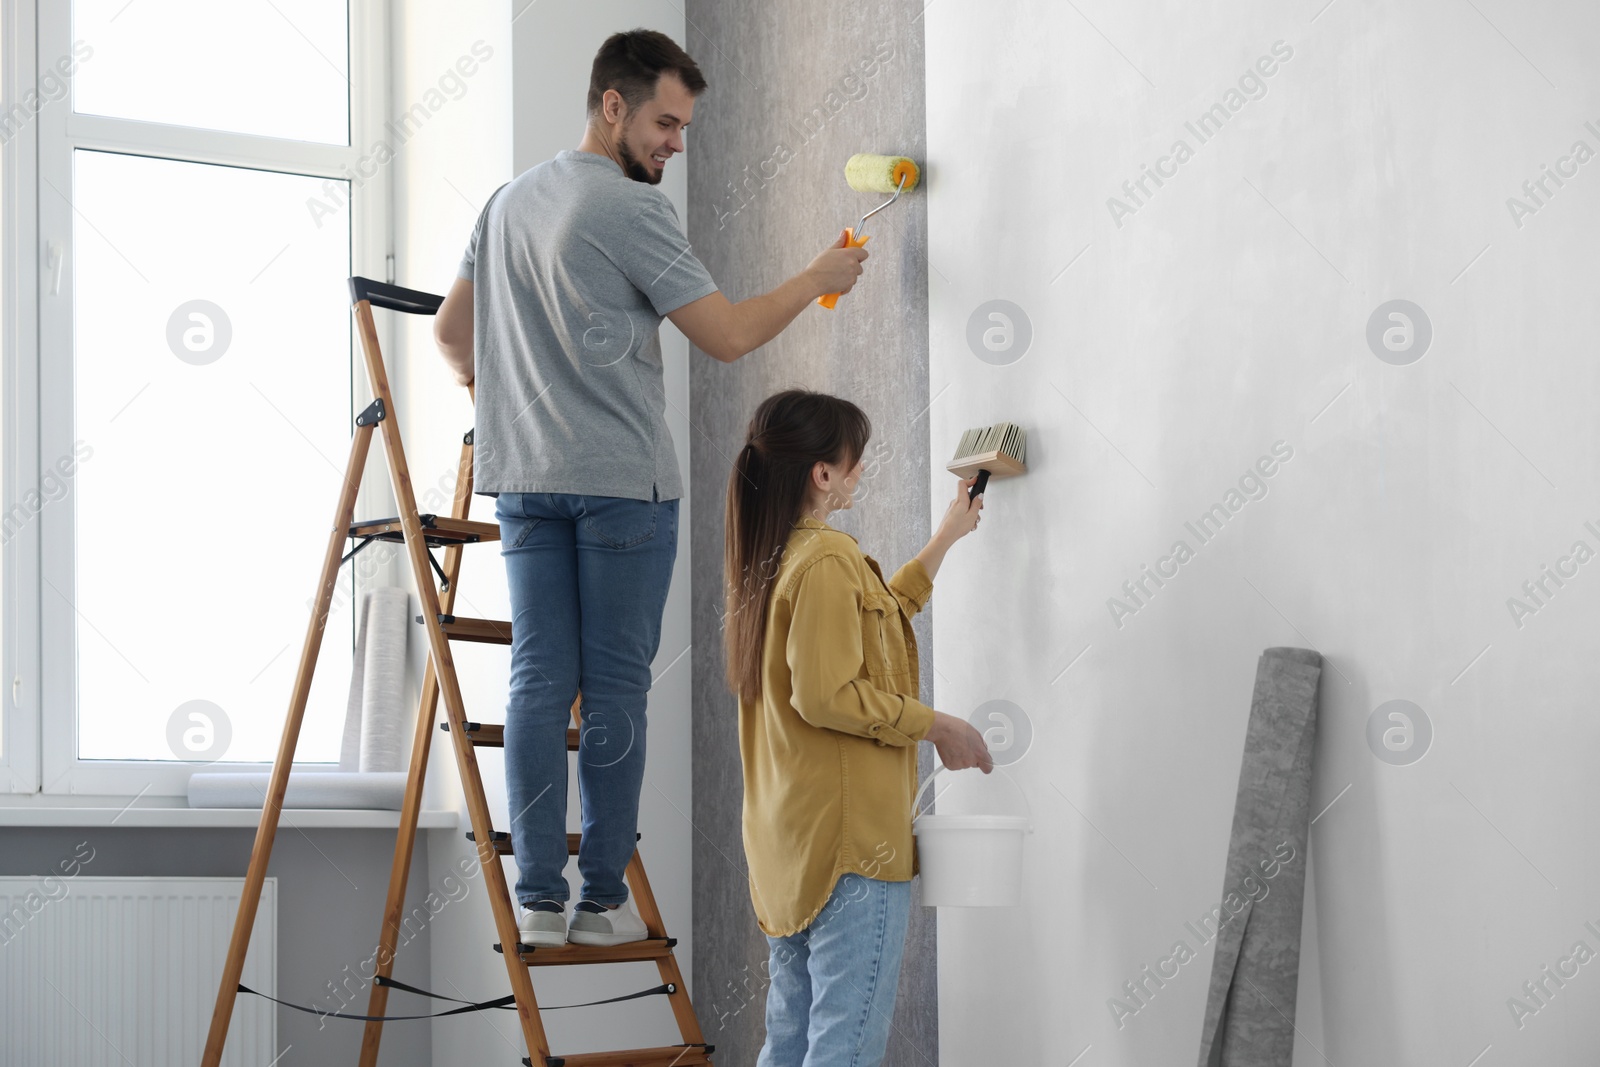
{"points": [[113, 972]]}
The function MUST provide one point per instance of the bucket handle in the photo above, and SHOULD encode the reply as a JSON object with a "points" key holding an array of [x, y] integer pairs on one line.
{"points": [[926, 782]]}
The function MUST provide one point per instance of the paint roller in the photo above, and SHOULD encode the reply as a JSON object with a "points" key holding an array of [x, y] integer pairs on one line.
{"points": [[998, 451], [868, 173]]}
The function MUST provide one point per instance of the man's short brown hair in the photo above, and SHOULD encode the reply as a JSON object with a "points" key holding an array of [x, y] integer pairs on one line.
{"points": [[633, 62]]}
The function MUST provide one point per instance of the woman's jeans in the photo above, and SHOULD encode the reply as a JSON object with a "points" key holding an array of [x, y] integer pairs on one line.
{"points": [[588, 578], [833, 984]]}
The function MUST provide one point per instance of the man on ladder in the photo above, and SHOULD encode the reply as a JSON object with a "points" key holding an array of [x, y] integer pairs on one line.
{"points": [[555, 315]]}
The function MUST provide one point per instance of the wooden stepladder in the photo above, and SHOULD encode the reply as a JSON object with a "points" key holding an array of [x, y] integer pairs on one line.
{"points": [[420, 534]]}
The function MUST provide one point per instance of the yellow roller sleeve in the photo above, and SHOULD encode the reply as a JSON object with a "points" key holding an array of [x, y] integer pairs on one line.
{"points": [[868, 173]]}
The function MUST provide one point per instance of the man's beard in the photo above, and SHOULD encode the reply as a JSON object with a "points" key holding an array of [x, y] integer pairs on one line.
{"points": [[633, 168]]}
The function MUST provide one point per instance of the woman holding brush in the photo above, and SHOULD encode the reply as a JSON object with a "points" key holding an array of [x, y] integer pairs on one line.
{"points": [[821, 653]]}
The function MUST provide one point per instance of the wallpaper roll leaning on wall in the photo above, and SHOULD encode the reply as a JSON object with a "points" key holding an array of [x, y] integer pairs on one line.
{"points": [[1255, 973]]}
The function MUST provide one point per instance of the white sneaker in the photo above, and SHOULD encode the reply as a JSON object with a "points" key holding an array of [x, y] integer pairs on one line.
{"points": [[615, 926], [543, 928]]}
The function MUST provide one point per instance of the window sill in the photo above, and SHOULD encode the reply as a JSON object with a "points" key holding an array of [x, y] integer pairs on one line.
{"points": [[290, 818]]}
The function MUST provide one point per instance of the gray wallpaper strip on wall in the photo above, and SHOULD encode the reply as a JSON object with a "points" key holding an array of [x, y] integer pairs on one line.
{"points": [[790, 100], [1255, 973]]}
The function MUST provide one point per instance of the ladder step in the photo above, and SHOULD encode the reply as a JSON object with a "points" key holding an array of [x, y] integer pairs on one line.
{"points": [[492, 735], [436, 530], [652, 948], [487, 631], [665, 1056], [502, 841]]}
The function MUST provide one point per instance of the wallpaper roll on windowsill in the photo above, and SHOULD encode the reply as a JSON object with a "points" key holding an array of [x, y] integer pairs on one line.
{"points": [[305, 789], [381, 654], [1255, 974], [350, 740]]}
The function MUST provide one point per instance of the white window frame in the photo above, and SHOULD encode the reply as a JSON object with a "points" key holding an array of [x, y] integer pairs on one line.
{"points": [[41, 376], [19, 420]]}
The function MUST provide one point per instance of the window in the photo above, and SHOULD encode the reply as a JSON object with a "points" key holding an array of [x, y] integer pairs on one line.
{"points": [[19, 740], [200, 205], [274, 70], [19, 579]]}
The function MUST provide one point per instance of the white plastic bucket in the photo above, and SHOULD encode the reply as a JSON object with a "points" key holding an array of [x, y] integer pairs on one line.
{"points": [[969, 861]]}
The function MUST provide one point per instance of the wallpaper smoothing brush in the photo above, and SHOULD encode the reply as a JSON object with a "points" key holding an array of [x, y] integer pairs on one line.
{"points": [[868, 173], [999, 451]]}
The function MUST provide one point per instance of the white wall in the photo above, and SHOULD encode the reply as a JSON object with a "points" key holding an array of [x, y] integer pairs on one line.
{"points": [[443, 176], [522, 106], [1230, 312]]}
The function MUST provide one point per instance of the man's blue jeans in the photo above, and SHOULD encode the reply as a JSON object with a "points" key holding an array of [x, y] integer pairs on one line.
{"points": [[588, 578], [833, 984]]}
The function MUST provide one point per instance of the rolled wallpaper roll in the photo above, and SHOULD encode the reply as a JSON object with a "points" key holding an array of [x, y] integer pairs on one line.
{"points": [[305, 789], [1249, 1018], [350, 741], [381, 670]]}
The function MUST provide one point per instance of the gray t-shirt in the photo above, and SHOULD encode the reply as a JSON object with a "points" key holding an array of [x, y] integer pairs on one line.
{"points": [[573, 266]]}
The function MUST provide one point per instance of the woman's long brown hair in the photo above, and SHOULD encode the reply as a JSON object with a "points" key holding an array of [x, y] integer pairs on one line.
{"points": [[789, 434]]}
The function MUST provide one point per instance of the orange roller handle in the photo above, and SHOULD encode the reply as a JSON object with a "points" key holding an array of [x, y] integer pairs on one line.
{"points": [[850, 241]]}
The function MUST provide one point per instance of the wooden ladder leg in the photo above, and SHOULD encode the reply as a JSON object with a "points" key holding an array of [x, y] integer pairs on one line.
{"points": [[405, 842], [272, 806], [405, 839], [645, 901], [444, 665]]}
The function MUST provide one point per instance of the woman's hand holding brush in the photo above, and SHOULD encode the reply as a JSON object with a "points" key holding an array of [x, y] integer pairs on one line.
{"points": [[960, 519]]}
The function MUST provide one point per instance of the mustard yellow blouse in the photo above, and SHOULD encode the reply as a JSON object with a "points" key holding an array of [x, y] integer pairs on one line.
{"points": [[830, 748]]}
